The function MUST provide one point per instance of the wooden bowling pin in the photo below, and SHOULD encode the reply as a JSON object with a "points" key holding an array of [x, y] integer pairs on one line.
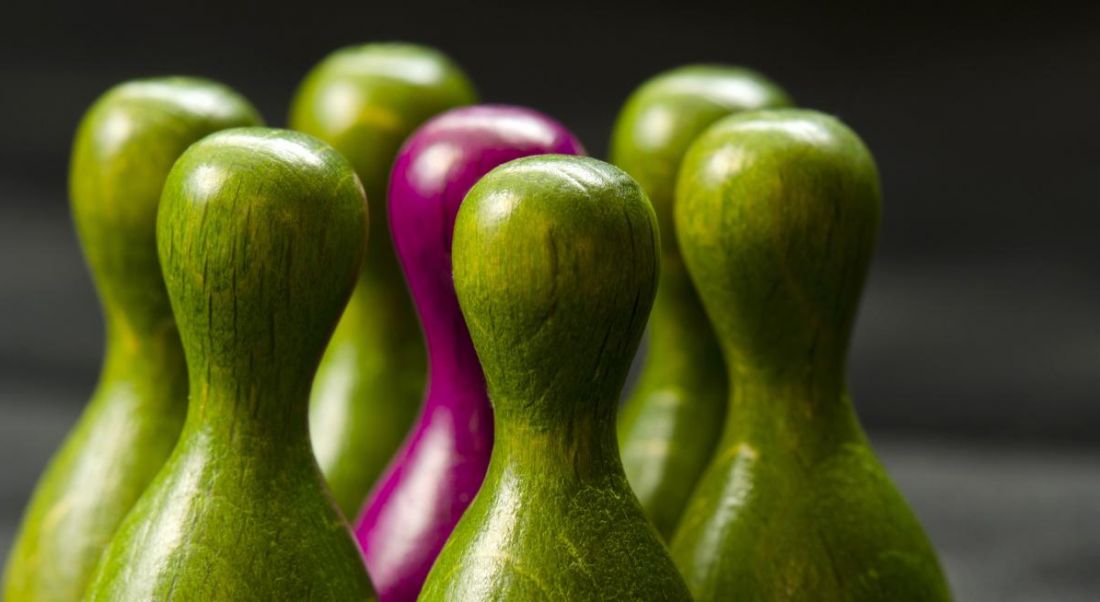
{"points": [[672, 420], [777, 214], [364, 101], [555, 269], [124, 148], [432, 480], [260, 235]]}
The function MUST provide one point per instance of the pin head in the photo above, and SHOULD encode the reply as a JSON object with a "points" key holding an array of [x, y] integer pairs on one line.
{"points": [[777, 214], [261, 235], [432, 174], [124, 148], [662, 118], [555, 266], [365, 100]]}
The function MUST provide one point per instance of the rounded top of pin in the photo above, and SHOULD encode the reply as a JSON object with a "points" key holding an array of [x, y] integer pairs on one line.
{"points": [[260, 235], [365, 100], [777, 215], [432, 174], [125, 145], [665, 114], [555, 266]]}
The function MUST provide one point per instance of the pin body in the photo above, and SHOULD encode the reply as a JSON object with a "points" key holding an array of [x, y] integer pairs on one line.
{"points": [[261, 235], [439, 469], [555, 268], [365, 101], [671, 423], [124, 148], [777, 214]]}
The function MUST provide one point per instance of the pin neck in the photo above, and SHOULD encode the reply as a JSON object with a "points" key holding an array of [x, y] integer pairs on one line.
{"points": [[578, 449], [381, 289], [154, 357], [454, 373], [455, 379], [380, 266], [804, 406], [134, 301], [681, 341], [380, 311], [235, 397], [239, 412]]}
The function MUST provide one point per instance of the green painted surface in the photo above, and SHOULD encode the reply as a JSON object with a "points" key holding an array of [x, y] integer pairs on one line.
{"points": [[261, 234], [777, 218], [124, 148], [364, 101], [673, 419], [555, 267]]}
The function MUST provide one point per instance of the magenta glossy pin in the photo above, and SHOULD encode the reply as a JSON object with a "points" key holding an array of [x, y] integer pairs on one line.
{"points": [[434, 476]]}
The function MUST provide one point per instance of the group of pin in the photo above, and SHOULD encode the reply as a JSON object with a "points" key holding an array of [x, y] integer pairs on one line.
{"points": [[264, 364]]}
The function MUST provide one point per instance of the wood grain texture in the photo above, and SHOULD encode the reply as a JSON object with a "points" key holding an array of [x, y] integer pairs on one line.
{"points": [[261, 235], [364, 101], [777, 214], [671, 422], [555, 268], [124, 148]]}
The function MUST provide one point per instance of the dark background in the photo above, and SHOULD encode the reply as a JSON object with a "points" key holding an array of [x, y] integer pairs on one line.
{"points": [[976, 359]]}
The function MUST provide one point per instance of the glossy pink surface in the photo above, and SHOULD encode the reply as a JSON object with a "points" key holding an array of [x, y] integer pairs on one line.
{"points": [[436, 473]]}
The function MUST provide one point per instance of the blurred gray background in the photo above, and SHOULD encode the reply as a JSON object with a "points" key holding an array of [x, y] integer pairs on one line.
{"points": [[976, 361]]}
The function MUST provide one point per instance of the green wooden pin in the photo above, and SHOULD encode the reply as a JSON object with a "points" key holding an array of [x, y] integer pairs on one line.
{"points": [[124, 148], [673, 419], [777, 214], [364, 101], [555, 268], [260, 235]]}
